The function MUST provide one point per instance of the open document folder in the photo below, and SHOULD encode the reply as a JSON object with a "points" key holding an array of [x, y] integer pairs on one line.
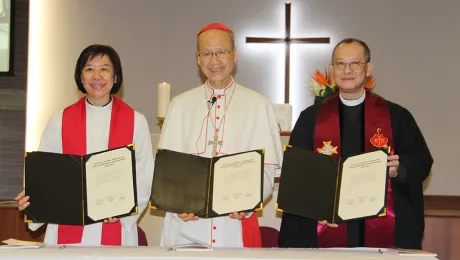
{"points": [[323, 187], [80, 190], [207, 187]]}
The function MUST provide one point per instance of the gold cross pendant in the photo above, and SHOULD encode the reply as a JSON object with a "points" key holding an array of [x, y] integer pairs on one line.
{"points": [[214, 144]]}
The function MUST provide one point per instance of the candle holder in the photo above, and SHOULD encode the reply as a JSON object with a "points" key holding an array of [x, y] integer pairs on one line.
{"points": [[160, 122]]}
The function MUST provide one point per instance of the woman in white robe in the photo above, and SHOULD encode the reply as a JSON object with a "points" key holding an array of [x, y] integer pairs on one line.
{"points": [[98, 74]]}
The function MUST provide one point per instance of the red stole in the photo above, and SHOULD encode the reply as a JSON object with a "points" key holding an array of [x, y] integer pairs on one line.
{"points": [[74, 142], [251, 231], [379, 232]]}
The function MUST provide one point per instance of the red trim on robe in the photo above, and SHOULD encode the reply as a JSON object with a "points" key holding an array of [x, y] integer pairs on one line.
{"points": [[379, 232], [250, 226], [74, 142], [251, 231]]}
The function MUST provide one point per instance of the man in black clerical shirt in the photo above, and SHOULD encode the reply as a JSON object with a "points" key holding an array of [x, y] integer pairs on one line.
{"points": [[356, 121]]}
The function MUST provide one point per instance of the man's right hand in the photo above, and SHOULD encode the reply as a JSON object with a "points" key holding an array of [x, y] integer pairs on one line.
{"points": [[187, 217], [324, 222], [22, 200]]}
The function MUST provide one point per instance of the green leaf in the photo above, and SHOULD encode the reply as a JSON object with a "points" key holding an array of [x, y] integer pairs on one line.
{"points": [[327, 92]]}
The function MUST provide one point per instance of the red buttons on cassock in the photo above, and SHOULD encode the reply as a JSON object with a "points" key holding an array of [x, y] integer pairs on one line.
{"points": [[219, 96], [214, 227], [218, 117], [214, 241], [218, 106]]}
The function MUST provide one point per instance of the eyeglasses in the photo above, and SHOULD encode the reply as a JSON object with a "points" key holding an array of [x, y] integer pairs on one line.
{"points": [[354, 65], [218, 54]]}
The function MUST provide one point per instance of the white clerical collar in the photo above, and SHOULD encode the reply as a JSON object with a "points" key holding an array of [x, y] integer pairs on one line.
{"points": [[216, 91], [353, 102], [108, 105]]}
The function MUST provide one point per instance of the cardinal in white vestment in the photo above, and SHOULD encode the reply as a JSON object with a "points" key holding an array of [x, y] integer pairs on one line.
{"points": [[97, 122], [217, 118]]}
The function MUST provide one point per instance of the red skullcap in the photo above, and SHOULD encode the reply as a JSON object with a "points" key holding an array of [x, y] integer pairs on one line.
{"points": [[215, 26]]}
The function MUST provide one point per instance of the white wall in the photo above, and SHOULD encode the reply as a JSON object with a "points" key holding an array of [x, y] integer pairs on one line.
{"points": [[414, 47]]}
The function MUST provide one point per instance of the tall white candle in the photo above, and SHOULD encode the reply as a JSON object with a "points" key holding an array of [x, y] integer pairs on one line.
{"points": [[164, 97]]}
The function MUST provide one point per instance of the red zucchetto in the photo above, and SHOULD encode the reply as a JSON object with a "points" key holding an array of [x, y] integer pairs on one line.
{"points": [[218, 26]]}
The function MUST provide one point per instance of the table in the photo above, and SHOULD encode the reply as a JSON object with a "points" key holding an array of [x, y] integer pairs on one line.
{"points": [[158, 253]]}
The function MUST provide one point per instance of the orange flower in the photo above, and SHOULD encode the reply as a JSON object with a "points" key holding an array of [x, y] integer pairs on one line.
{"points": [[370, 83], [320, 78], [330, 80]]}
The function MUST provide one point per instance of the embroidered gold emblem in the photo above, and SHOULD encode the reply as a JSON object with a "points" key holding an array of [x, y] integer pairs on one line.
{"points": [[328, 149], [378, 140]]}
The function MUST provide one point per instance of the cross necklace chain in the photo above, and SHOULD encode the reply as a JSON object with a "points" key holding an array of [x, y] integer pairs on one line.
{"points": [[215, 140]]}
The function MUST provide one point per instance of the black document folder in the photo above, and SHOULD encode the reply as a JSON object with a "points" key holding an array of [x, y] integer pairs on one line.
{"points": [[62, 192], [186, 183], [323, 187]]}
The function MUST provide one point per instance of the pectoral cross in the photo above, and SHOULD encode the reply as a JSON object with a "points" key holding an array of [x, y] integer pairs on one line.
{"points": [[214, 144]]}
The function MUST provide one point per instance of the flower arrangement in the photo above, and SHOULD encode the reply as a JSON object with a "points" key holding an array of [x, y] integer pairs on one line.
{"points": [[323, 86]]}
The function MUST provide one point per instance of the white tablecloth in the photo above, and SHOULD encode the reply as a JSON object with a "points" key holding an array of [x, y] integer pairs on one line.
{"points": [[100, 253]]}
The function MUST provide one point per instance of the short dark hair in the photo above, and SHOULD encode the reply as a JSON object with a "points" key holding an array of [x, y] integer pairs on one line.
{"points": [[99, 50], [367, 51]]}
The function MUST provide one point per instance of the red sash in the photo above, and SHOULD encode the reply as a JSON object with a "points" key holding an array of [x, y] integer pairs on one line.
{"points": [[379, 232], [251, 231], [74, 142]]}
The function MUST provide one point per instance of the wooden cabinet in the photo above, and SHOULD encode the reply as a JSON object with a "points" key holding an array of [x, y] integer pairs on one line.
{"points": [[12, 226]]}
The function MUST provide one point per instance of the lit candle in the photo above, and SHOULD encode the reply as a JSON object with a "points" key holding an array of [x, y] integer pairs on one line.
{"points": [[164, 97]]}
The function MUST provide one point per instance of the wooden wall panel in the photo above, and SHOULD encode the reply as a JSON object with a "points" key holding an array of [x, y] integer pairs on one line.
{"points": [[13, 108], [12, 226], [442, 203], [8, 223], [442, 226], [442, 236]]}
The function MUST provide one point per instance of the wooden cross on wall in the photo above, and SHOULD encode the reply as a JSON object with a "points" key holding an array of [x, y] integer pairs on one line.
{"points": [[287, 41]]}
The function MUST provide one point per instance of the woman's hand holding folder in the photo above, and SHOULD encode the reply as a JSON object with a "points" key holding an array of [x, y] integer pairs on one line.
{"points": [[22, 200]]}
